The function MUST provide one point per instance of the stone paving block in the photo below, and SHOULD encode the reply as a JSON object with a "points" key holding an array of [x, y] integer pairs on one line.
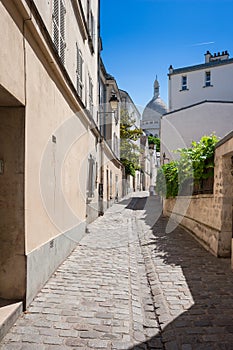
{"points": [[33, 347], [52, 340], [155, 291], [186, 347], [101, 344], [49, 331], [68, 333], [75, 342], [32, 338]]}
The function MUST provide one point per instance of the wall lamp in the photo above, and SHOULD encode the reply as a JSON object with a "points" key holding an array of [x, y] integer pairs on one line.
{"points": [[114, 102], [114, 106]]}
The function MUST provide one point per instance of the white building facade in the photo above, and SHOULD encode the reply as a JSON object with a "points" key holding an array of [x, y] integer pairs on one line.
{"points": [[200, 103], [211, 80]]}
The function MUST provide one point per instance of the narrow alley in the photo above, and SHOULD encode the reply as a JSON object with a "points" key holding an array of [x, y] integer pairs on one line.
{"points": [[128, 285]]}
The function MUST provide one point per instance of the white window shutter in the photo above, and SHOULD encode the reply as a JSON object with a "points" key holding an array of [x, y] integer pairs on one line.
{"points": [[59, 12]]}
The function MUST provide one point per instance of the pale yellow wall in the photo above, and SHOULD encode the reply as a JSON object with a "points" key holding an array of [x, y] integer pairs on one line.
{"points": [[73, 36], [50, 114], [12, 57], [110, 166]]}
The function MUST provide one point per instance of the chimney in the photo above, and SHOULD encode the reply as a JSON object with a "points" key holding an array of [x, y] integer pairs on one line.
{"points": [[170, 69], [220, 56], [207, 57]]}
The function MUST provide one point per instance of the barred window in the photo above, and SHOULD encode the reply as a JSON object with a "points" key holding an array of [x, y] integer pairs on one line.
{"points": [[59, 12], [79, 73]]}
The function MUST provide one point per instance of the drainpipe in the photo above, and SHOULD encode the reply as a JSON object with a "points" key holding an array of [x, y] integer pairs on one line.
{"points": [[101, 184]]}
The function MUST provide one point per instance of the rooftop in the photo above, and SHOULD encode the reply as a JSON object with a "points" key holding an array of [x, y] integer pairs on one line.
{"points": [[215, 60]]}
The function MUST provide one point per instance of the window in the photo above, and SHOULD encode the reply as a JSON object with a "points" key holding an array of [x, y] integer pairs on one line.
{"points": [[110, 184], [90, 96], [91, 26], [91, 177], [207, 79], [184, 82], [79, 73], [59, 12]]}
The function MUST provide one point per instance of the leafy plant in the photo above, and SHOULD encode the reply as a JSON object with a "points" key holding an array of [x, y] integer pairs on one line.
{"points": [[195, 165], [130, 152], [152, 140]]}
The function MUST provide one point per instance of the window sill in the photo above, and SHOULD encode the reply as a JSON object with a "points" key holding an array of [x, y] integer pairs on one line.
{"points": [[184, 90], [206, 86]]}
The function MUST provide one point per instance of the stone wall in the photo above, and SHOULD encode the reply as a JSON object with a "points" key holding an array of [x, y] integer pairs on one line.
{"points": [[209, 217]]}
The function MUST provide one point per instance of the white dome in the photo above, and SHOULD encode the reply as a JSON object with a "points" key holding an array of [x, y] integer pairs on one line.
{"points": [[153, 111]]}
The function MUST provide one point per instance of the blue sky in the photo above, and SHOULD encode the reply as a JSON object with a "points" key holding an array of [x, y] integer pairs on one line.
{"points": [[141, 38]]}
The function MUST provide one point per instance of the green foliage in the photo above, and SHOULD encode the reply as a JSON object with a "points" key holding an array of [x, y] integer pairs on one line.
{"points": [[130, 152], [167, 180], [195, 164], [152, 140]]}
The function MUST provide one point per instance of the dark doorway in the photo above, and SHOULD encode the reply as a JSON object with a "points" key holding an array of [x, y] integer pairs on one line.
{"points": [[12, 228]]}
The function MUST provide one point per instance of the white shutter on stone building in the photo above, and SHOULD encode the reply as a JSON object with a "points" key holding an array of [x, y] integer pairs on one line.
{"points": [[59, 12], [79, 72]]}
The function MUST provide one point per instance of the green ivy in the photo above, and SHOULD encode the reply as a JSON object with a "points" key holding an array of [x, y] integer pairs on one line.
{"points": [[195, 164], [152, 140]]}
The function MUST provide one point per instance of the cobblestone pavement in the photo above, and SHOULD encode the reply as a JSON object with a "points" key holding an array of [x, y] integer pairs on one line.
{"points": [[128, 285]]}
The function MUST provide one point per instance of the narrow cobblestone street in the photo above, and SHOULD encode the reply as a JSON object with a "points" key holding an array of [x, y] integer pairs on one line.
{"points": [[129, 285]]}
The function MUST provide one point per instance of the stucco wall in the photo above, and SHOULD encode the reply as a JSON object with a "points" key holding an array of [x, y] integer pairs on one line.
{"points": [[221, 81], [180, 128], [73, 37], [58, 141], [111, 191], [50, 164], [12, 55]]}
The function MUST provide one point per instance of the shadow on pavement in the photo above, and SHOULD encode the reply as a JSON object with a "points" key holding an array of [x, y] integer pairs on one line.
{"points": [[185, 268], [137, 203]]}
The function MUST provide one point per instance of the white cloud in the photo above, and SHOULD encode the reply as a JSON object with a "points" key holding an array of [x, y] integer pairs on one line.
{"points": [[204, 43]]}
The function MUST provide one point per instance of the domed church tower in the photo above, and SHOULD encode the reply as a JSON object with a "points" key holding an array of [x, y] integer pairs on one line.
{"points": [[152, 113]]}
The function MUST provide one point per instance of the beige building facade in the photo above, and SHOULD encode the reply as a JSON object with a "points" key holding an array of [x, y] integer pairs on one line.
{"points": [[50, 152], [111, 169], [132, 183]]}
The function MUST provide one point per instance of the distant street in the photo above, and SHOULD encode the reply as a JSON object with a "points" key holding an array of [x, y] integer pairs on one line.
{"points": [[129, 285]]}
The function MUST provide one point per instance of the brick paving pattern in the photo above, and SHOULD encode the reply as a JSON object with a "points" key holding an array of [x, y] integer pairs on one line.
{"points": [[129, 285]]}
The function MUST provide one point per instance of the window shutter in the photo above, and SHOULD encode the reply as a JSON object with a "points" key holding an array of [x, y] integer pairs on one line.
{"points": [[79, 73], [90, 95], [59, 27], [91, 177], [56, 23], [62, 31]]}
